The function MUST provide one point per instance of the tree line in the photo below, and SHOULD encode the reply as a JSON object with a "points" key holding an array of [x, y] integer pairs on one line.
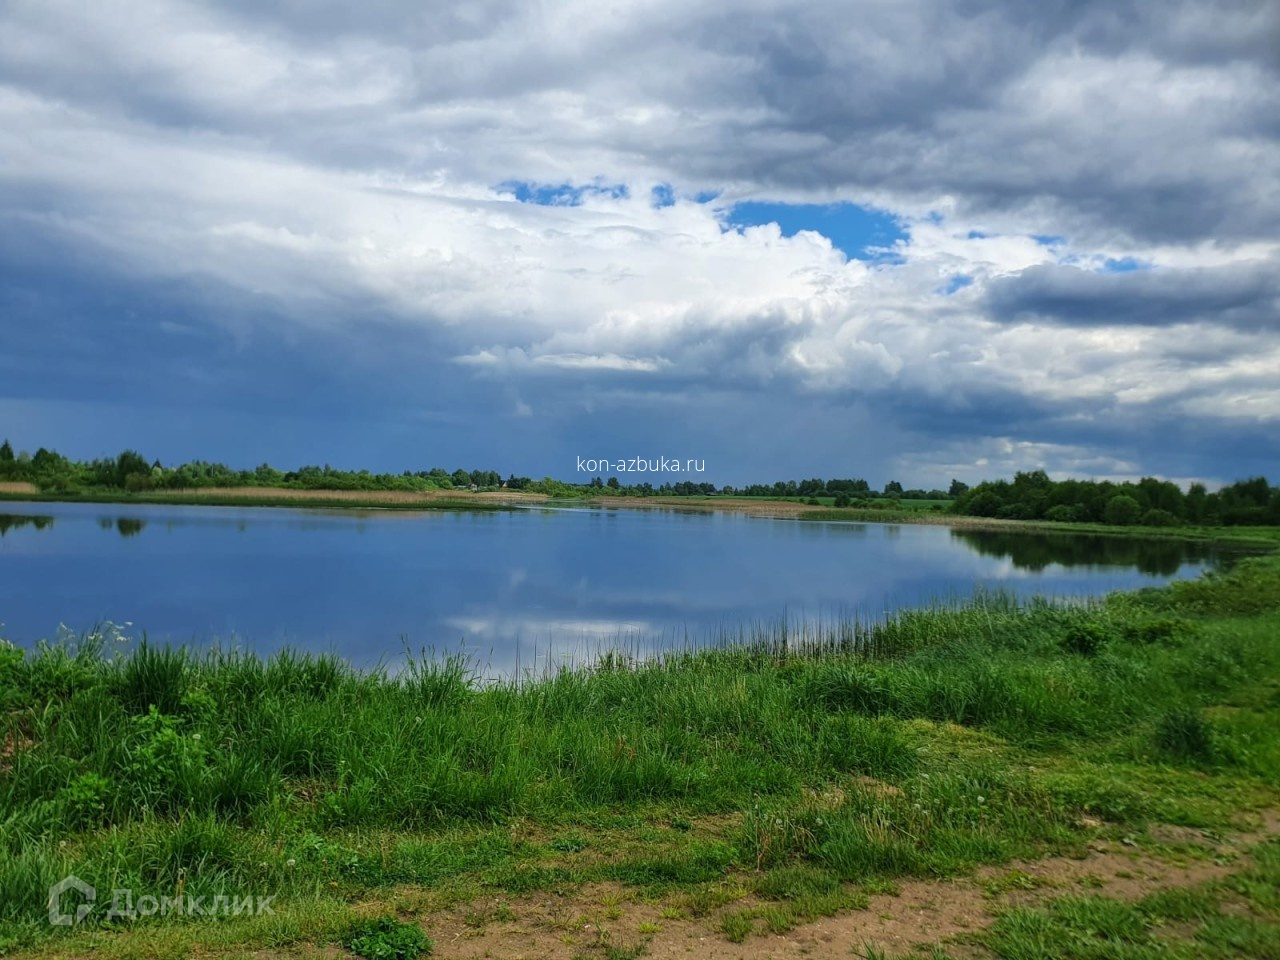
{"points": [[1149, 502], [132, 472], [1029, 496]]}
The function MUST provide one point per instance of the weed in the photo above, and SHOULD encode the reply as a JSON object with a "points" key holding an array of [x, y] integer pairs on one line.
{"points": [[1086, 639], [387, 939], [737, 925]]}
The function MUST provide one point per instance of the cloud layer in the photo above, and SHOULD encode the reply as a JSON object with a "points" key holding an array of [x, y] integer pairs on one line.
{"points": [[309, 208]]}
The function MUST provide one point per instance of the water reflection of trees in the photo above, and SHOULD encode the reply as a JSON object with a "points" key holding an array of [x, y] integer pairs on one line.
{"points": [[125, 526], [13, 521], [129, 526], [1036, 551]]}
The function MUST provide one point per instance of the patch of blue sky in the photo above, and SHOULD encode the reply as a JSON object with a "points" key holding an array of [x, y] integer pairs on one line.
{"points": [[560, 194], [663, 195], [956, 283], [1048, 239], [1124, 265], [861, 233]]}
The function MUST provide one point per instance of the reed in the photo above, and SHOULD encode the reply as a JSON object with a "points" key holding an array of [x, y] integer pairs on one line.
{"points": [[859, 748]]}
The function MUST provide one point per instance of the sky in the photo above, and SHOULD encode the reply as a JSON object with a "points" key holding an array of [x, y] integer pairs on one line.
{"points": [[915, 241]]}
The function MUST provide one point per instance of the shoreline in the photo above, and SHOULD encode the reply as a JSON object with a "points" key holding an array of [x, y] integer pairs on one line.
{"points": [[1263, 538], [290, 498]]}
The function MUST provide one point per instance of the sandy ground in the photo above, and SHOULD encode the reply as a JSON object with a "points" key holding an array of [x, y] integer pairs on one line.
{"points": [[357, 496], [17, 487], [762, 508]]}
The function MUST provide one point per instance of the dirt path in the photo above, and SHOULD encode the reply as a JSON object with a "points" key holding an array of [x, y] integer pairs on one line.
{"points": [[920, 915]]}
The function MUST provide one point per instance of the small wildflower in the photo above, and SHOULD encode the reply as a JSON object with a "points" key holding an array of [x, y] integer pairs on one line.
{"points": [[291, 863], [982, 799], [195, 736]]}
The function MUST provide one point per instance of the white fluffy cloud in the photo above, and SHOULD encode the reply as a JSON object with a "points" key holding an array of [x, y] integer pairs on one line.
{"points": [[326, 162]]}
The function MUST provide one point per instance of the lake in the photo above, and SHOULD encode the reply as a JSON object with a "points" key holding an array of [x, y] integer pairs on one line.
{"points": [[514, 588]]}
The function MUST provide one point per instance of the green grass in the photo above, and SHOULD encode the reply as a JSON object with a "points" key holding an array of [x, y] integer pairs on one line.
{"points": [[795, 770], [922, 511], [1235, 918]]}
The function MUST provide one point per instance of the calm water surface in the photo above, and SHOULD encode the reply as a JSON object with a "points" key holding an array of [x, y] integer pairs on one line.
{"points": [[513, 588]]}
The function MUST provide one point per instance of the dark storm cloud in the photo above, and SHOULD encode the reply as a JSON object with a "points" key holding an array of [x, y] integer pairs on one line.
{"points": [[292, 205], [1162, 128], [1142, 120], [1246, 296]]}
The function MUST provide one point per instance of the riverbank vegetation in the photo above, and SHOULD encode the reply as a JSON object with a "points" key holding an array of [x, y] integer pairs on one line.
{"points": [[1030, 496], [1149, 502], [735, 792]]}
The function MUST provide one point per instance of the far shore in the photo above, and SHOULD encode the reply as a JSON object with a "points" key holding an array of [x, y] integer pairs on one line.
{"points": [[1257, 537], [1263, 537], [284, 497]]}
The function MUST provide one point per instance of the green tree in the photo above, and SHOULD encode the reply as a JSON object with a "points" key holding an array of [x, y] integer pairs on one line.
{"points": [[1122, 510], [1197, 503], [6, 453], [131, 463], [957, 489]]}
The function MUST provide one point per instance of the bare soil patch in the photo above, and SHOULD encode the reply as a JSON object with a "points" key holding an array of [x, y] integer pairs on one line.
{"points": [[359, 496], [761, 508], [921, 914], [15, 486]]}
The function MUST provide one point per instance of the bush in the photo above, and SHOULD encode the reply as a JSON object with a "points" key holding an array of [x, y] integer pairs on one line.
{"points": [[387, 939], [1122, 510], [1184, 734], [165, 765], [1015, 511], [1159, 518], [1086, 639], [84, 800], [1166, 630]]}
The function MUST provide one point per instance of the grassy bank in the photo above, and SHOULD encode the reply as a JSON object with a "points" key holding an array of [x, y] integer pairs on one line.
{"points": [[737, 792], [1260, 536]]}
